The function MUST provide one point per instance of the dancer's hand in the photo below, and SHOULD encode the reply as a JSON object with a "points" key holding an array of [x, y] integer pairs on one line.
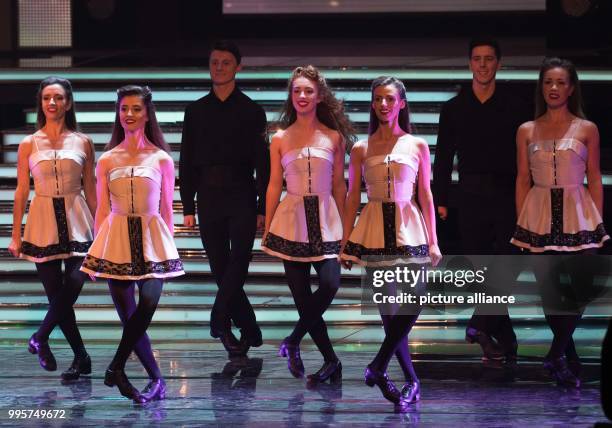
{"points": [[91, 276], [443, 212], [189, 220], [434, 254], [347, 264], [15, 246]]}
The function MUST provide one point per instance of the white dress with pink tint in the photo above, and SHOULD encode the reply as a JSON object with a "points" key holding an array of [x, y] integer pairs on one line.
{"points": [[134, 241], [559, 213], [306, 225], [59, 224], [391, 224]]}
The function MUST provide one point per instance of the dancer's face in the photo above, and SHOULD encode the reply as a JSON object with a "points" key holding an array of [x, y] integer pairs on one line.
{"points": [[304, 95], [223, 67], [556, 87], [132, 113], [484, 64], [387, 103], [55, 103]]}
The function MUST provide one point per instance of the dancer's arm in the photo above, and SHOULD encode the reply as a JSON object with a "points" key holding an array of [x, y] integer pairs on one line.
{"points": [[338, 183], [89, 178], [426, 201], [21, 194], [275, 185], [353, 196], [166, 165], [523, 176], [593, 171], [103, 195]]}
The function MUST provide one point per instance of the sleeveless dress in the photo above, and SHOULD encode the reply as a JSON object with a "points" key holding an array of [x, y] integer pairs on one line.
{"points": [[559, 213], [306, 225], [134, 241], [59, 224], [391, 224]]}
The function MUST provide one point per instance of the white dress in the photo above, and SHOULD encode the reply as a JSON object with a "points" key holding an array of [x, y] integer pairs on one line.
{"points": [[559, 213], [134, 241], [391, 224], [59, 224], [306, 225]]}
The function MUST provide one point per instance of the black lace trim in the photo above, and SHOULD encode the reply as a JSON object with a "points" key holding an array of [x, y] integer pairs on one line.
{"points": [[388, 212], [556, 211], [136, 250], [300, 249], [128, 269], [313, 224], [358, 250], [59, 207], [583, 237], [29, 249]]}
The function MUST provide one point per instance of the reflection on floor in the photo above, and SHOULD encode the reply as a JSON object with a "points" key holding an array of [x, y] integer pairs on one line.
{"points": [[204, 388]]}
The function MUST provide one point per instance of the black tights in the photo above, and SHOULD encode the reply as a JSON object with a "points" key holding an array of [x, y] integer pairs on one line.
{"points": [[62, 289], [563, 303], [136, 320], [397, 329], [402, 351], [311, 306]]}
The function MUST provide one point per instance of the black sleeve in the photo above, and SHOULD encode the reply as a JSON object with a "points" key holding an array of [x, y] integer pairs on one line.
{"points": [[446, 147], [262, 160], [187, 176]]}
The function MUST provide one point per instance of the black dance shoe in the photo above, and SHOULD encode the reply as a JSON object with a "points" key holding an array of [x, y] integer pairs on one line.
{"points": [[294, 360], [155, 390], [490, 349], [78, 367], [411, 393], [254, 339], [387, 387], [331, 370], [560, 372], [119, 379], [45, 356], [233, 347]]}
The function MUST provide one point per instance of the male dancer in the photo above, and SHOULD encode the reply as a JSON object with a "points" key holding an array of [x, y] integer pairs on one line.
{"points": [[480, 124], [224, 140]]}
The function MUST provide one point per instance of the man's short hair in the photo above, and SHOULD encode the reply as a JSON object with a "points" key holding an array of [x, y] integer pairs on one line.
{"points": [[228, 46], [485, 41]]}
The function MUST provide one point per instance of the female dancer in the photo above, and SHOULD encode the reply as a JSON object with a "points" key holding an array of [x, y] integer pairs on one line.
{"points": [[391, 224], [556, 214], [59, 225], [134, 232], [306, 228]]}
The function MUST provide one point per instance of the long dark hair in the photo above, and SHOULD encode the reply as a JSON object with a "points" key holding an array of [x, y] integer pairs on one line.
{"points": [[330, 111], [404, 114], [574, 102], [152, 130], [70, 117]]}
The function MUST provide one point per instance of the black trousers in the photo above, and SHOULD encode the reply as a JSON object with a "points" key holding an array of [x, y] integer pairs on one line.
{"points": [[486, 225], [228, 240]]}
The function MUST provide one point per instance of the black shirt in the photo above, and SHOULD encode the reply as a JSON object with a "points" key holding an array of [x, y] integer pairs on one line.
{"points": [[222, 143], [484, 137]]}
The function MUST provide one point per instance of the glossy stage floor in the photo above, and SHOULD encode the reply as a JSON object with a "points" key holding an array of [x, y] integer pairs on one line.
{"points": [[206, 389]]}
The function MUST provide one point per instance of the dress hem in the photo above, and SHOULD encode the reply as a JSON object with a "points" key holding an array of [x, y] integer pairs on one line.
{"points": [[533, 249], [132, 277], [296, 258], [62, 256]]}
